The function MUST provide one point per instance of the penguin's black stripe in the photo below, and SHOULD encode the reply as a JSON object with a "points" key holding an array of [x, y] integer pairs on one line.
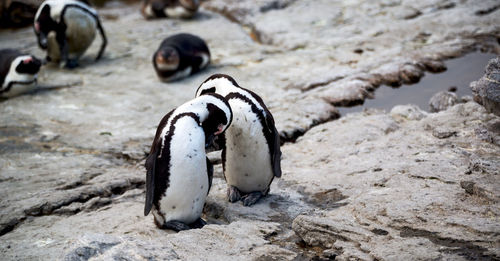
{"points": [[233, 81], [99, 26], [162, 171], [270, 134], [220, 75]]}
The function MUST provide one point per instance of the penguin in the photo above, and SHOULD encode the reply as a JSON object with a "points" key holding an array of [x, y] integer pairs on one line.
{"points": [[179, 56], [18, 72], [178, 173], [17, 14], [66, 29], [169, 8], [251, 155]]}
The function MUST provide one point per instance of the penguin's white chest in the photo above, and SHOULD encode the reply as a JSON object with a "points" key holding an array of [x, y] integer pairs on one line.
{"points": [[187, 189], [248, 162], [178, 75], [80, 33]]}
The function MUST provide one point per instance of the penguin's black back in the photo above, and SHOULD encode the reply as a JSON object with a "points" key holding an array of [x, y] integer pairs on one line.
{"points": [[189, 47], [186, 42]]}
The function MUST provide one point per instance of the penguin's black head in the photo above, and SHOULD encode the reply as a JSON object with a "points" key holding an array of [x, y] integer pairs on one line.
{"points": [[219, 118], [43, 25], [217, 83], [166, 59], [29, 65]]}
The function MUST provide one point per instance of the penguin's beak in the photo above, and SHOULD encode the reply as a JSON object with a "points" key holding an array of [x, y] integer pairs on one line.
{"points": [[42, 40], [220, 129]]}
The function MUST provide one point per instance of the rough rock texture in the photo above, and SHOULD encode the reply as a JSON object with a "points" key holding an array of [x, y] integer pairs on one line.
{"points": [[71, 159], [410, 194], [442, 101], [487, 89]]}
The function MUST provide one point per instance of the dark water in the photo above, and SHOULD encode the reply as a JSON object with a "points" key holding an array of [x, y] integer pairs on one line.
{"points": [[460, 72]]}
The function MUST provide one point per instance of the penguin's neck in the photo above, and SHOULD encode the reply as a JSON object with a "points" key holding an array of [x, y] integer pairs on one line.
{"points": [[225, 89], [201, 111]]}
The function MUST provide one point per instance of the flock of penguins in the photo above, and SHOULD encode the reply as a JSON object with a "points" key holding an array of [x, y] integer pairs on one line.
{"points": [[223, 116]]}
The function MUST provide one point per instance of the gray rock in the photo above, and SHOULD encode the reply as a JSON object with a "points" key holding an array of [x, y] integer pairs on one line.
{"points": [[406, 191], [406, 12], [407, 112], [442, 101], [486, 90], [442, 133]]}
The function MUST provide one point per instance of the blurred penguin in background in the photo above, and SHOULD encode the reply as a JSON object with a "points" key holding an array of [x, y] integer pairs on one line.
{"points": [[66, 29], [18, 72], [169, 8], [179, 56], [17, 13]]}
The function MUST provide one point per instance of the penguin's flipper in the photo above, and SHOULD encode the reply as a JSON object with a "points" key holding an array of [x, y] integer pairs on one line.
{"points": [[210, 173], [150, 179], [103, 38], [271, 130], [274, 146]]}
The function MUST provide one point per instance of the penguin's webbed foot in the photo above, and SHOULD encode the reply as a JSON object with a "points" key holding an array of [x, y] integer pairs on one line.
{"points": [[71, 63], [175, 225], [251, 198], [233, 194], [198, 223]]}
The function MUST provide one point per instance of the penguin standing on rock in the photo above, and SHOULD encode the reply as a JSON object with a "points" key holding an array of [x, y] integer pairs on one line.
{"points": [[66, 29], [251, 155], [179, 56], [18, 72], [169, 8], [179, 174]]}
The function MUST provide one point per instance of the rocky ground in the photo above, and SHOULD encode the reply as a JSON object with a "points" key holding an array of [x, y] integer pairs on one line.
{"points": [[398, 185]]}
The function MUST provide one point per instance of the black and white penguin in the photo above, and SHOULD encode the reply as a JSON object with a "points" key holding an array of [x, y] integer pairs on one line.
{"points": [[179, 56], [169, 8], [179, 174], [18, 72], [66, 28], [251, 155]]}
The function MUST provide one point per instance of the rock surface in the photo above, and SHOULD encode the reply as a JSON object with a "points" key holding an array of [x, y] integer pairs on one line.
{"points": [[442, 101], [410, 194], [487, 89], [371, 185]]}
